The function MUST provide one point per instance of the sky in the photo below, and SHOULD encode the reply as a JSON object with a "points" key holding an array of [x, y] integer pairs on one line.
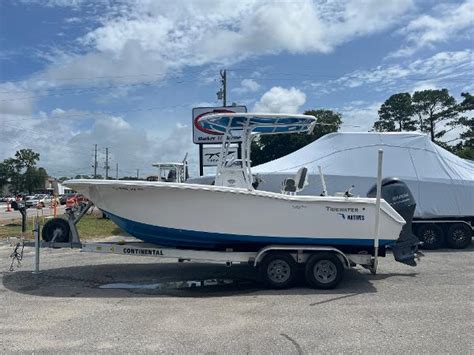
{"points": [[126, 74]]}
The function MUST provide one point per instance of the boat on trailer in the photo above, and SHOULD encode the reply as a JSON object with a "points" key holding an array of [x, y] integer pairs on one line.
{"points": [[231, 217], [231, 213]]}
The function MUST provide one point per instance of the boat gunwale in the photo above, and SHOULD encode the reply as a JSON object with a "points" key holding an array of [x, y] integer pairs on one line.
{"points": [[386, 208]]}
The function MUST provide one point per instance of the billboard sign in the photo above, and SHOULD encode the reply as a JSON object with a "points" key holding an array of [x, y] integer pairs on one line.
{"points": [[203, 136], [211, 155]]}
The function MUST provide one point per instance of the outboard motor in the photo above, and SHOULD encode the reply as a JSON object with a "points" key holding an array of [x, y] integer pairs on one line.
{"points": [[399, 196]]}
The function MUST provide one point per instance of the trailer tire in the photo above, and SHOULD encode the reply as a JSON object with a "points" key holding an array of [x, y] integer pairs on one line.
{"points": [[431, 235], [459, 236], [56, 226], [278, 270], [324, 271]]}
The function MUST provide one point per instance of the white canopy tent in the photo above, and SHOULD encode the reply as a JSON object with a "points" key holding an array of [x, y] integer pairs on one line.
{"points": [[442, 183]]}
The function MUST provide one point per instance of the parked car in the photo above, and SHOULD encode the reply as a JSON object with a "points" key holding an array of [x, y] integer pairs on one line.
{"points": [[45, 201], [32, 201], [41, 200]]}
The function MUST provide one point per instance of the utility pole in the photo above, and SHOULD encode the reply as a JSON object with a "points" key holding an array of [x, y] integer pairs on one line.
{"points": [[222, 93], [107, 163], [116, 171], [138, 174], [95, 161]]}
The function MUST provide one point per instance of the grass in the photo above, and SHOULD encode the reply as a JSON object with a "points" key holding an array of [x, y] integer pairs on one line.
{"points": [[89, 227]]}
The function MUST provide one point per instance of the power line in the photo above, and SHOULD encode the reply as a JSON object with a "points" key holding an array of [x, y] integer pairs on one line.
{"points": [[56, 92], [162, 75], [107, 163], [275, 76], [103, 113], [95, 161]]}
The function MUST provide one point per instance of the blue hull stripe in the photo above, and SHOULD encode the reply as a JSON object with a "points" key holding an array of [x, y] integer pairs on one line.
{"points": [[188, 238]]}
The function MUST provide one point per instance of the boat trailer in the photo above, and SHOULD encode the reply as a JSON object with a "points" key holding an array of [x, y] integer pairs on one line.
{"points": [[278, 265]]}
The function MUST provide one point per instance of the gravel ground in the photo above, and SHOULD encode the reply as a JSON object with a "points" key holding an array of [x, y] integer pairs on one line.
{"points": [[427, 309]]}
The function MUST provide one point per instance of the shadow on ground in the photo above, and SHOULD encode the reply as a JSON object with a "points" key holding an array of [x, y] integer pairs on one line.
{"points": [[171, 279], [445, 249]]}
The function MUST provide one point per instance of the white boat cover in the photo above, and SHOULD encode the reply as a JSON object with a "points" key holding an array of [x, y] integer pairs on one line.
{"points": [[441, 182]]}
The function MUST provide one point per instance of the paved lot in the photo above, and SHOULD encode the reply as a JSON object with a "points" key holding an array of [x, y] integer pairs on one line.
{"points": [[5, 216], [428, 309]]}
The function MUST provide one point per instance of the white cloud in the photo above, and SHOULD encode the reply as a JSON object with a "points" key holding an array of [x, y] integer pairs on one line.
{"points": [[359, 116], [448, 22], [16, 100], [56, 3], [440, 69], [139, 39], [281, 100], [66, 147], [247, 85]]}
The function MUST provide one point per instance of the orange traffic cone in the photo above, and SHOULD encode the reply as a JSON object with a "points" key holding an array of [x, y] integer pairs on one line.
{"points": [[8, 207]]}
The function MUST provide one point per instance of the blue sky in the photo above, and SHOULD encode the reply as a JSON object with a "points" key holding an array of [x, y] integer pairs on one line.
{"points": [[126, 74]]}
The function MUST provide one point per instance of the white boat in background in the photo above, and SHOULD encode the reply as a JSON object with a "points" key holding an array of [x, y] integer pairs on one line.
{"points": [[232, 214], [170, 171]]}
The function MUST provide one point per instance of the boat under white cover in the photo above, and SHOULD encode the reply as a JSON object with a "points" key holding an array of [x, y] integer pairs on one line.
{"points": [[218, 217]]}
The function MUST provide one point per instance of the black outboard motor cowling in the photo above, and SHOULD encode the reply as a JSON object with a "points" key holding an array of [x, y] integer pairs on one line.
{"points": [[399, 196]]}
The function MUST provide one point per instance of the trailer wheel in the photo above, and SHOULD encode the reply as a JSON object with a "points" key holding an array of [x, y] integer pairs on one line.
{"points": [[431, 235], [278, 270], [56, 227], [459, 236], [324, 271]]}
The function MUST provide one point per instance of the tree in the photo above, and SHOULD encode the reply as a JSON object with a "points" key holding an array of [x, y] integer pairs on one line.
{"points": [[7, 172], [11, 174], [396, 114], [34, 178], [465, 149], [270, 147], [26, 158], [20, 172], [432, 108], [468, 103]]}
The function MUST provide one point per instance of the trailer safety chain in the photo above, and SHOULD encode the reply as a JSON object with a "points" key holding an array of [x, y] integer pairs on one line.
{"points": [[17, 254]]}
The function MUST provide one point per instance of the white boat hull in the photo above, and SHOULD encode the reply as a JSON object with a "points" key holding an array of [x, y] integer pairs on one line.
{"points": [[188, 215]]}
